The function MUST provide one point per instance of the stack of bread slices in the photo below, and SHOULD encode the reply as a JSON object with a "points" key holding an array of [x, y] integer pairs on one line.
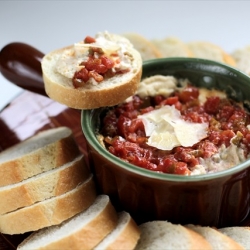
{"points": [[47, 189]]}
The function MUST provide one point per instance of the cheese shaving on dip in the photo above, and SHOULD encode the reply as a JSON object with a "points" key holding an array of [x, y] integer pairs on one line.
{"points": [[167, 129]]}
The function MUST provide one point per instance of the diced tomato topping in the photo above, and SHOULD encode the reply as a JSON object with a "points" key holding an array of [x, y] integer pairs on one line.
{"points": [[211, 106], [107, 62], [97, 66], [125, 134], [96, 76], [188, 94], [89, 39], [79, 77]]}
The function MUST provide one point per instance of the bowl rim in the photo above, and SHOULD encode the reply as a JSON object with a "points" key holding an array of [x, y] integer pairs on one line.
{"points": [[93, 141]]}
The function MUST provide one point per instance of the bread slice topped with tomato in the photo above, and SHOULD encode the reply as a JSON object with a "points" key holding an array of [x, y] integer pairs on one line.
{"points": [[96, 72]]}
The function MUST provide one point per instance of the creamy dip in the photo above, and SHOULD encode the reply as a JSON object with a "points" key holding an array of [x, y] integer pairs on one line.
{"points": [[174, 127], [104, 46]]}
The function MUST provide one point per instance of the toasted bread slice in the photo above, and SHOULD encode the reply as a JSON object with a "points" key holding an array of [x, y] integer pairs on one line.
{"points": [[124, 236], [207, 50], [44, 151], [217, 239], [49, 212], [240, 234], [83, 231], [242, 59], [146, 48], [64, 72], [172, 47], [165, 235], [43, 186]]}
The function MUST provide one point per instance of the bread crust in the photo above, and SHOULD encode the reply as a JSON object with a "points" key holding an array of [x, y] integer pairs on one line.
{"points": [[240, 234], [155, 234], [47, 157], [242, 59], [50, 212], [109, 92], [210, 51], [78, 98], [172, 47], [127, 239], [217, 239], [91, 234], [146, 48], [43, 186], [92, 226]]}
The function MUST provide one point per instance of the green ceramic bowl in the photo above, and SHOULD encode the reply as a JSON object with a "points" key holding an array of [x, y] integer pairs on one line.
{"points": [[218, 199]]}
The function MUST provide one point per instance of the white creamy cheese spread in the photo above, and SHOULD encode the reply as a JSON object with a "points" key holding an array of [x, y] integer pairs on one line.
{"points": [[157, 85], [226, 158], [69, 61]]}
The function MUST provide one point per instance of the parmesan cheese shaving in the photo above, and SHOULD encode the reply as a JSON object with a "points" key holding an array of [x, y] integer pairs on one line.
{"points": [[166, 129]]}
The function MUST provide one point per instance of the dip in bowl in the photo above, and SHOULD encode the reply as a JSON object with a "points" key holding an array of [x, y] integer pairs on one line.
{"points": [[216, 198]]}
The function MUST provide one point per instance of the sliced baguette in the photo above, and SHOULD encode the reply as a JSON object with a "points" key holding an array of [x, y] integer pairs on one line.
{"points": [[165, 235], [111, 91], [210, 51], [49, 212], [83, 231], [172, 47], [46, 150], [240, 234], [124, 236], [242, 59], [217, 239], [43, 186], [146, 48]]}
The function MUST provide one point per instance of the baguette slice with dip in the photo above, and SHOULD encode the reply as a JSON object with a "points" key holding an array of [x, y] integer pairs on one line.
{"points": [[99, 71]]}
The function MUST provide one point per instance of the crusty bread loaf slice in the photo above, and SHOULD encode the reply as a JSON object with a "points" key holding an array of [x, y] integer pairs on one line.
{"points": [[146, 48], [172, 47], [240, 234], [124, 237], [49, 212], [46, 150], [83, 231], [165, 235], [242, 59], [59, 66], [43, 186], [217, 239], [207, 50]]}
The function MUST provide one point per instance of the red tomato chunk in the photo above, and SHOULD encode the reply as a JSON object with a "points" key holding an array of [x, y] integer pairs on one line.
{"points": [[98, 66], [125, 135]]}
